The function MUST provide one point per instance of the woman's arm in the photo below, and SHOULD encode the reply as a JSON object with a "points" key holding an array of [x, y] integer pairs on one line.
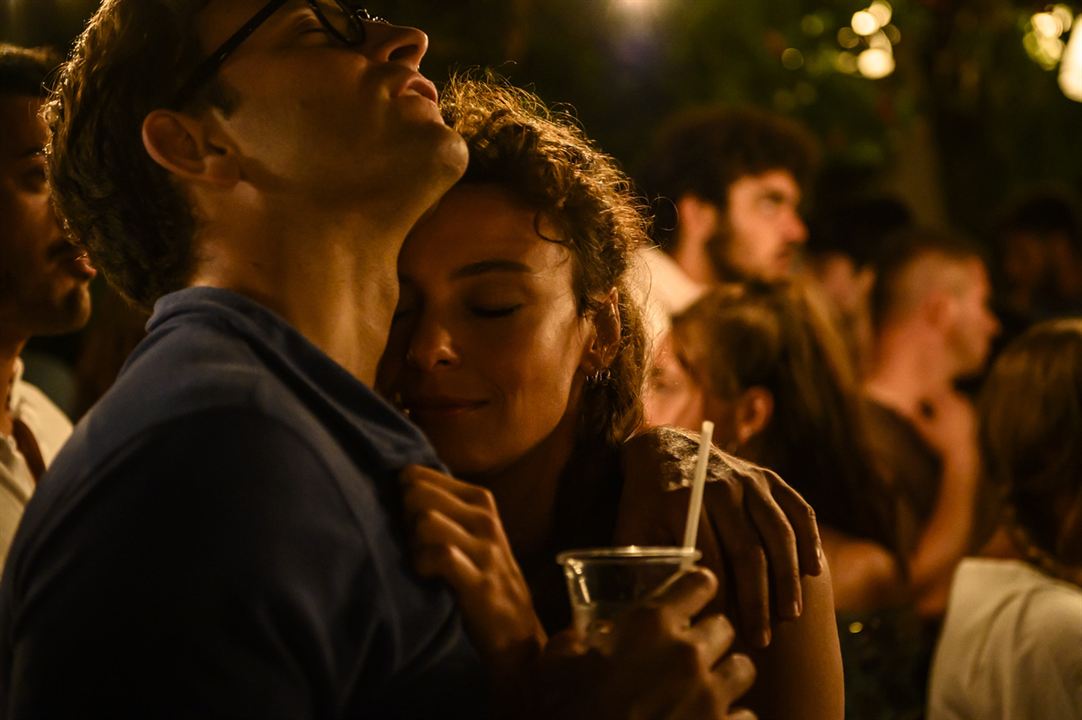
{"points": [[800, 671]]}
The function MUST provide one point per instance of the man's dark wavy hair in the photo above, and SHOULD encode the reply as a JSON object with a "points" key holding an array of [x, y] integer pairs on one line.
{"points": [[702, 151], [111, 196]]}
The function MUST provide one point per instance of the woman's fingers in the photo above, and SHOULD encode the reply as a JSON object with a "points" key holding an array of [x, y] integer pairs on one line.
{"points": [[745, 554], [801, 517]]}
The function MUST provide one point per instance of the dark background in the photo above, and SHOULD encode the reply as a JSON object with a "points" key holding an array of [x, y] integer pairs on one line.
{"points": [[966, 121]]}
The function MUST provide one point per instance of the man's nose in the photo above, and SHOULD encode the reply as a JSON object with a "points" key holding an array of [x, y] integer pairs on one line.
{"points": [[395, 43], [795, 229]]}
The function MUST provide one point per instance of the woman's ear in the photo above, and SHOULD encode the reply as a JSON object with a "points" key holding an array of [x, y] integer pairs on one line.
{"points": [[184, 145], [604, 335], [753, 411]]}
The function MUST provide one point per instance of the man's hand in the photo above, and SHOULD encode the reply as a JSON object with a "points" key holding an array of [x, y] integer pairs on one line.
{"points": [[457, 536], [662, 665], [754, 523]]}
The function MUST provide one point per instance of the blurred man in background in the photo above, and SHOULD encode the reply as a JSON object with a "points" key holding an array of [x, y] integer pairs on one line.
{"points": [[729, 184], [933, 326], [43, 283]]}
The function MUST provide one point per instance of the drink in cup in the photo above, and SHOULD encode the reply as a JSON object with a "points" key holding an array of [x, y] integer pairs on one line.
{"points": [[604, 583]]}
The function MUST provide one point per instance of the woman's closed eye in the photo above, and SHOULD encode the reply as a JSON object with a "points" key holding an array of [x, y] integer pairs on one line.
{"points": [[495, 311]]}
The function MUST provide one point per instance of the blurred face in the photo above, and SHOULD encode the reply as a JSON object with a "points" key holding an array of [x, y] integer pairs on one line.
{"points": [[764, 230], [486, 347], [1025, 261], [43, 278], [672, 396], [974, 324], [314, 116]]}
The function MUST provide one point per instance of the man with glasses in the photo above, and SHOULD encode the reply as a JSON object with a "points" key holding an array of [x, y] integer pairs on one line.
{"points": [[222, 536]]}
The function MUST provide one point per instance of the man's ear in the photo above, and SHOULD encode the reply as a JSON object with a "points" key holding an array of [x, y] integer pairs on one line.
{"points": [[939, 309], [754, 408], [697, 218], [605, 335], [184, 146]]}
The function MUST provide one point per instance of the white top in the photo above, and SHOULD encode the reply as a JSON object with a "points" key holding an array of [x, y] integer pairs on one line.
{"points": [[51, 429], [1011, 646], [663, 290]]}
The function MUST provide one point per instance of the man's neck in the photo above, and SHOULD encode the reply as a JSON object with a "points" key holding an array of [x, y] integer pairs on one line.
{"points": [[906, 373], [331, 275]]}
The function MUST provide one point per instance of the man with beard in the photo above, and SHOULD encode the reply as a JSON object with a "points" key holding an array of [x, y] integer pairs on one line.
{"points": [[729, 184]]}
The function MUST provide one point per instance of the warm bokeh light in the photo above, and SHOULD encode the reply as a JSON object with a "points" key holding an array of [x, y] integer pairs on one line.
{"points": [[846, 62], [638, 7], [1047, 25], [882, 12], [792, 59], [1070, 72], [880, 41], [812, 25], [1064, 15], [865, 23], [875, 63], [847, 38]]}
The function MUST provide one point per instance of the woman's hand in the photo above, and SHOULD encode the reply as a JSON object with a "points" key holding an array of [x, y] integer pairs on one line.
{"points": [[457, 536], [754, 524]]}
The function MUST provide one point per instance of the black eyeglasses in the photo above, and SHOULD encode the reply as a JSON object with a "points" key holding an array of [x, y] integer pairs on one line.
{"points": [[341, 18]]}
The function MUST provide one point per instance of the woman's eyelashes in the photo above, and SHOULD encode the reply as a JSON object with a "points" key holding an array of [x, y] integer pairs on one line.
{"points": [[494, 311]]}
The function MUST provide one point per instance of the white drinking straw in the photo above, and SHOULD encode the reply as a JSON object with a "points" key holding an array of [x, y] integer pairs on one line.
{"points": [[691, 529]]}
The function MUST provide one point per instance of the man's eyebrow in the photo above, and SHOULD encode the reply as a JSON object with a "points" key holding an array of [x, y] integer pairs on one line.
{"points": [[489, 266]]}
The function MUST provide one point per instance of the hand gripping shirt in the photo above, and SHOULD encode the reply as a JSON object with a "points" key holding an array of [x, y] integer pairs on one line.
{"points": [[222, 538]]}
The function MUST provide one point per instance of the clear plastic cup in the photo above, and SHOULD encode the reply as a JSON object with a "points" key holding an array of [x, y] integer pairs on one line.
{"points": [[604, 583]]}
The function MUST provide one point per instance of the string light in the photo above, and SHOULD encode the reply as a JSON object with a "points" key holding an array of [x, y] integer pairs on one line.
{"points": [[1070, 71]]}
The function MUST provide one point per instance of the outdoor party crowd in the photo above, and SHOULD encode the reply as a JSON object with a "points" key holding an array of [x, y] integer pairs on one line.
{"points": [[402, 349]]}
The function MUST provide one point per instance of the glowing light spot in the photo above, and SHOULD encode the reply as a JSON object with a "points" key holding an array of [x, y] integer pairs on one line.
{"points": [[1052, 48], [893, 34], [880, 41], [1044, 51], [1064, 15], [1070, 72], [792, 59], [638, 9], [875, 63], [1047, 25], [855, 628], [812, 25], [848, 39], [864, 23], [846, 62], [882, 11]]}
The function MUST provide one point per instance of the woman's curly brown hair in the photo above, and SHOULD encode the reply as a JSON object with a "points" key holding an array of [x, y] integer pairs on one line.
{"points": [[544, 158]]}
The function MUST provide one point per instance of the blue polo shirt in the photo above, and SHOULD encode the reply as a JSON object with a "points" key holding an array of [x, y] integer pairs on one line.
{"points": [[222, 538]]}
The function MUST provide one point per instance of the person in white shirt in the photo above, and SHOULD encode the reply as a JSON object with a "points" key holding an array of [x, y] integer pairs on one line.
{"points": [[1011, 644], [43, 283]]}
